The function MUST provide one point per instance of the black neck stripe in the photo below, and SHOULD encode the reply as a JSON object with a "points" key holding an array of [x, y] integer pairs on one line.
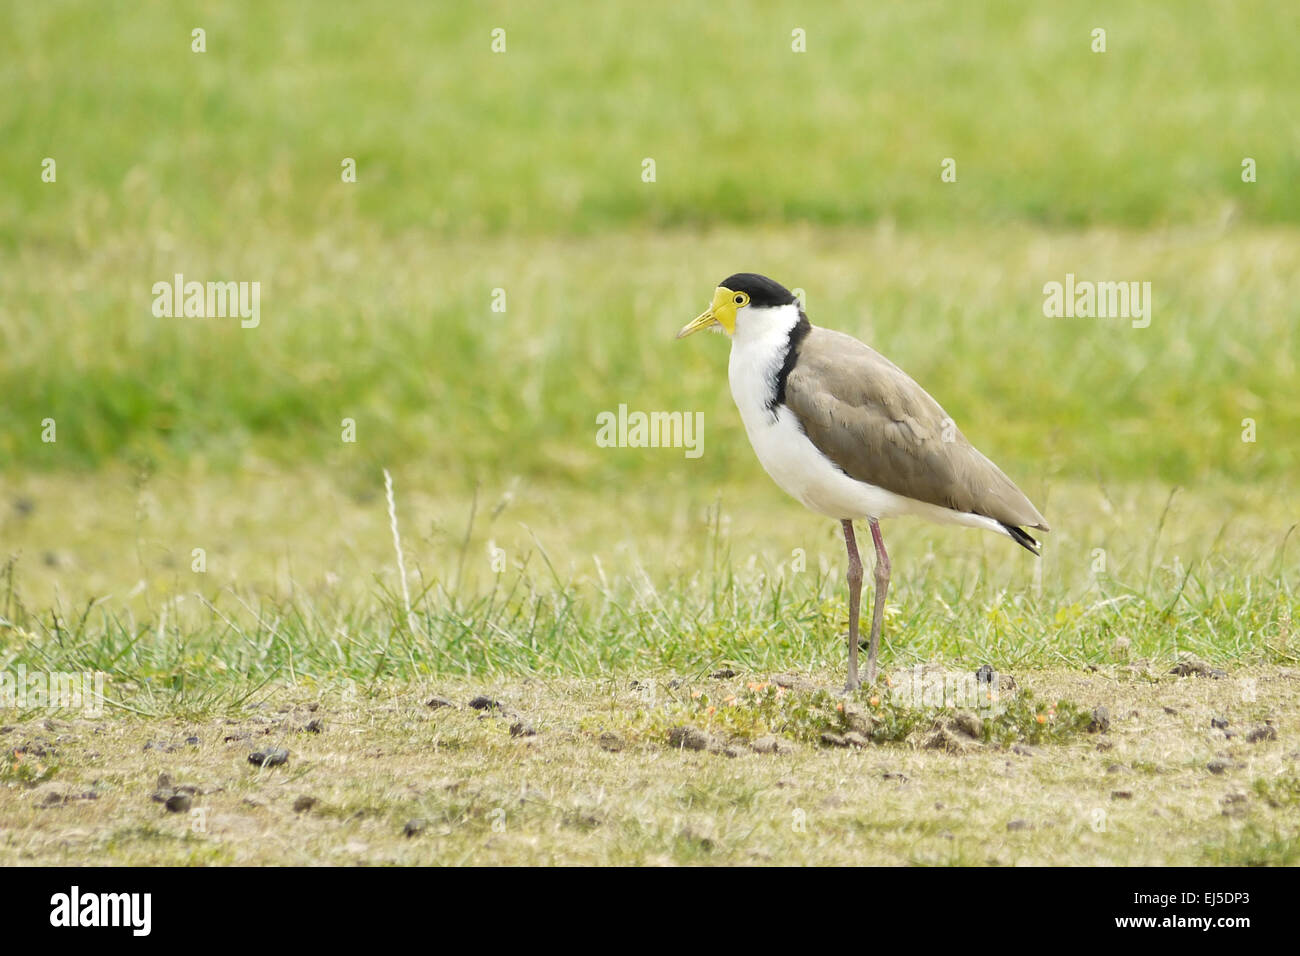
{"points": [[798, 332]]}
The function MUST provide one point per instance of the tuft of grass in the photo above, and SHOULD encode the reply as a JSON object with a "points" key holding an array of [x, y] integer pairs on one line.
{"points": [[20, 769], [762, 708], [1282, 792], [1255, 845]]}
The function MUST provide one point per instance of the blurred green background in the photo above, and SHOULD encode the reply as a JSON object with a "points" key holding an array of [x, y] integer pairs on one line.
{"points": [[522, 170]]}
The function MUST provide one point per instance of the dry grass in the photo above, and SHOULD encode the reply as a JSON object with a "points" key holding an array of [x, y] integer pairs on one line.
{"points": [[563, 796]]}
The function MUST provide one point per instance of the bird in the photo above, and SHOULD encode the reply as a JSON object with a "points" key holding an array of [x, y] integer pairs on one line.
{"points": [[851, 436]]}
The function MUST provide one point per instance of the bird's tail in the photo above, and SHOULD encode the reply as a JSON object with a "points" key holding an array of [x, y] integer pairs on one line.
{"points": [[1022, 538]]}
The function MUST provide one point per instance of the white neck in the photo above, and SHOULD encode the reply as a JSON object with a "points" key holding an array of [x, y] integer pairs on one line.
{"points": [[758, 350], [759, 327]]}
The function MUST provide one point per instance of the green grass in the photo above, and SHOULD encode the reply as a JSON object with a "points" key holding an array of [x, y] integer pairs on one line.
{"points": [[401, 338], [549, 137], [684, 586], [522, 171]]}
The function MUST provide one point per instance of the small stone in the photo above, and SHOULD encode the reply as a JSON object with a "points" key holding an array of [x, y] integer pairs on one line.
{"points": [[1100, 722], [768, 744], [1023, 750], [894, 775], [794, 682], [414, 828], [1169, 710], [691, 738], [1234, 804], [437, 702], [946, 737], [735, 750], [268, 758], [164, 781], [1261, 733], [1121, 794], [611, 741], [303, 804], [984, 675], [55, 794], [857, 719], [833, 740], [724, 674], [1193, 667], [522, 729], [1019, 825], [484, 703], [179, 803], [855, 739], [192, 741], [969, 724], [314, 726], [1218, 765], [1219, 723]]}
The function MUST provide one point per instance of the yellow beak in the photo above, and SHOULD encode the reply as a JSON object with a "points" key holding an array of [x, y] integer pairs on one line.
{"points": [[722, 312]]}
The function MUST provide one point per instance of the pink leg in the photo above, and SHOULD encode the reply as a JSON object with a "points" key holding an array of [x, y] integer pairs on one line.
{"points": [[878, 602], [855, 601]]}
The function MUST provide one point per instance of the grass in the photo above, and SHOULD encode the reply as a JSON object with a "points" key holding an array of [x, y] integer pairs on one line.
{"points": [[550, 136], [205, 532], [589, 326], [586, 592]]}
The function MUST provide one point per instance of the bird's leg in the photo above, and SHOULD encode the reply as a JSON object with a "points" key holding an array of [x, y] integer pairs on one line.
{"points": [[855, 600], [878, 601]]}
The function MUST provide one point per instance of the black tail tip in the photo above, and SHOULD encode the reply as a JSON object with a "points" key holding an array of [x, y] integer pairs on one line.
{"points": [[1023, 538]]}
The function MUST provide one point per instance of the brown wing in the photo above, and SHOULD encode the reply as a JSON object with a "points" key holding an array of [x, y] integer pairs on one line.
{"points": [[865, 414]]}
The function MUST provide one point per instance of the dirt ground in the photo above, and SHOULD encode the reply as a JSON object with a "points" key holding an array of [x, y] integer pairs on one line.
{"points": [[1189, 770]]}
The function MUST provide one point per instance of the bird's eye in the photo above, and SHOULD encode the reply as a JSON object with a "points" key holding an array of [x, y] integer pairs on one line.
{"points": [[740, 298]]}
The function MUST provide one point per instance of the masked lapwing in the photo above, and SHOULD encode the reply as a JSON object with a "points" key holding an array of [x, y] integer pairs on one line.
{"points": [[850, 435]]}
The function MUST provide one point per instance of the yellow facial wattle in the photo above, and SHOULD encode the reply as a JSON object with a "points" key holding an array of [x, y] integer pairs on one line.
{"points": [[722, 312]]}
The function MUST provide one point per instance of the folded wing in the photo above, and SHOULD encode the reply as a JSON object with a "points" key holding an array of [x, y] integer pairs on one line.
{"points": [[869, 417]]}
